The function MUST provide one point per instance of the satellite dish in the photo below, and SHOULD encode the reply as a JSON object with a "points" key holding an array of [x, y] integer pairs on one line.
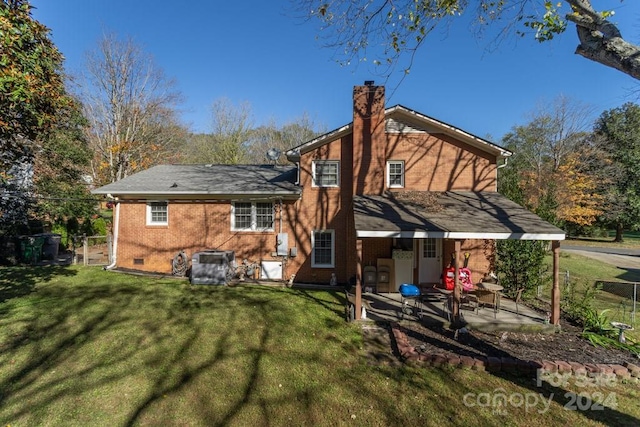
{"points": [[273, 154]]}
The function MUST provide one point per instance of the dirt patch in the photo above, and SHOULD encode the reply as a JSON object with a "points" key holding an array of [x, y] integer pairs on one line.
{"points": [[567, 345], [378, 347]]}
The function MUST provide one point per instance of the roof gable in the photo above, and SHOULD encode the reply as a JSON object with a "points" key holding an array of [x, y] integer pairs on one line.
{"points": [[400, 119]]}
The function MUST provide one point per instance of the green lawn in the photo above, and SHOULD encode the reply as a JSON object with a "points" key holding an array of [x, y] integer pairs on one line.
{"points": [[81, 347], [631, 240], [586, 272]]}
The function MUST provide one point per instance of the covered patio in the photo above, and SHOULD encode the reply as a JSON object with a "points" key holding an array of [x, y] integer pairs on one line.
{"points": [[452, 216]]}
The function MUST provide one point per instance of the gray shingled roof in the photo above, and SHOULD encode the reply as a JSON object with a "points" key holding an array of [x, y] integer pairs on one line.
{"points": [[456, 215], [213, 180]]}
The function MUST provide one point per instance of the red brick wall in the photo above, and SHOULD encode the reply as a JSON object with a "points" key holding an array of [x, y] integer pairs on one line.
{"points": [[323, 208], [192, 227], [435, 162]]}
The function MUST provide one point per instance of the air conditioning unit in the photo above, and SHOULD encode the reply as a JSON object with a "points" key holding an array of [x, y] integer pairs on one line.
{"points": [[212, 267]]}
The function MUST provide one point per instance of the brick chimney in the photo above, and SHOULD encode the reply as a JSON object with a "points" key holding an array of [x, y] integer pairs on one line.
{"points": [[369, 139]]}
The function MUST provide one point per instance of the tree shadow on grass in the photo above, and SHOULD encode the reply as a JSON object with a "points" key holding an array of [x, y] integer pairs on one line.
{"points": [[138, 344], [16, 282]]}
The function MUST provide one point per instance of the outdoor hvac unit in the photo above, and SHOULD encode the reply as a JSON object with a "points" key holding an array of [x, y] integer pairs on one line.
{"points": [[211, 267]]}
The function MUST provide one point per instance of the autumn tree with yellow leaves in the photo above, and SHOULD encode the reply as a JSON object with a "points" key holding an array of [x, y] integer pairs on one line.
{"points": [[559, 167]]}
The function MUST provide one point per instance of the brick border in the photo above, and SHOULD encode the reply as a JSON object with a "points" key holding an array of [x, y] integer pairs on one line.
{"points": [[409, 354]]}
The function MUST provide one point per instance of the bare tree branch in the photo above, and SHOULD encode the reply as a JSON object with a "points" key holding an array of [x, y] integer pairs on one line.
{"points": [[131, 109]]}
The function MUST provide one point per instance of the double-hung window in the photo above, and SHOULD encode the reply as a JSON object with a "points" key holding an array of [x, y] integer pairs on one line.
{"points": [[157, 213], [252, 216], [264, 216], [326, 173], [395, 174], [323, 252]]}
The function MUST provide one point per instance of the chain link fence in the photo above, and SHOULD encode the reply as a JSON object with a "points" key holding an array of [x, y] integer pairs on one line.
{"points": [[620, 298]]}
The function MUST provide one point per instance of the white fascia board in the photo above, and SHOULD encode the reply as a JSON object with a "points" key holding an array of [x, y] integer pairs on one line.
{"points": [[460, 235], [295, 152]]}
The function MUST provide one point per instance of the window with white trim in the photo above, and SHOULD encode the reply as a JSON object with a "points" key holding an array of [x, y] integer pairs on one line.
{"points": [[326, 173], [252, 216], [323, 248], [157, 213], [264, 216], [395, 174]]}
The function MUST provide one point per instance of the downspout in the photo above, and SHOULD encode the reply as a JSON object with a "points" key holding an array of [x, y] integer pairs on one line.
{"points": [[506, 159], [116, 225]]}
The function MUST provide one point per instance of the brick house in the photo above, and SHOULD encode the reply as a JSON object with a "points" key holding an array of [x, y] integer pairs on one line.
{"points": [[394, 189]]}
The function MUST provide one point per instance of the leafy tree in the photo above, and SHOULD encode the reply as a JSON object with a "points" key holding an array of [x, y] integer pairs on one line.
{"points": [[620, 130], [556, 170], [578, 200], [131, 109], [357, 28], [520, 264], [33, 100], [60, 170]]}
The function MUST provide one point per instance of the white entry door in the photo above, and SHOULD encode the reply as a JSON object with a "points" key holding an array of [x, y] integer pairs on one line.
{"points": [[430, 259]]}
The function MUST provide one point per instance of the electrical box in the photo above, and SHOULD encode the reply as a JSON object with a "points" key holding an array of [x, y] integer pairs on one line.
{"points": [[282, 247]]}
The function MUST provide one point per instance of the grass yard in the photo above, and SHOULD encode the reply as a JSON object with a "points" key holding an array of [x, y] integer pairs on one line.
{"points": [[585, 272], [82, 347], [583, 269], [631, 240]]}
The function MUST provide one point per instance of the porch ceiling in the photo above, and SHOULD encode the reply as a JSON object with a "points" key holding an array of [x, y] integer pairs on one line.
{"points": [[452, 215]]}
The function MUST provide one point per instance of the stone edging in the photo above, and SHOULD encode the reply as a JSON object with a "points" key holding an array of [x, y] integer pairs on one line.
{"points": [[409, 354]]}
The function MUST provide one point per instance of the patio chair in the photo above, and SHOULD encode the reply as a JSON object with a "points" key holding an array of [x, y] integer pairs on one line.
{"points": [[487, 297], [370, 279], [470, 300], [518, 299], [467, 299]]}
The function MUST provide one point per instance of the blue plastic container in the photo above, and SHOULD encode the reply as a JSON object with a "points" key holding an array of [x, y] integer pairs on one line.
{"points": [[409, 290]]}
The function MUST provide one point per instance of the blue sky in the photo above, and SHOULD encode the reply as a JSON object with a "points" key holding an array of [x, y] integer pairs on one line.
{"points": [[261, 52]]}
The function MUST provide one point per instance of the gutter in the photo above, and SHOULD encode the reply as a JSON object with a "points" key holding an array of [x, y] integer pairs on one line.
{"points": [[506, 159], [116, 225]]}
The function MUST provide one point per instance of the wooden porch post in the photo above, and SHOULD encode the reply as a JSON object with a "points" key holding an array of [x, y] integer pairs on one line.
{"points": [[455, 307], [555, 290], [358, 279]]}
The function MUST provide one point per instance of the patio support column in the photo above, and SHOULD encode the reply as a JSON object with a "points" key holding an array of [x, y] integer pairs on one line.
{"points": [[555, 290], [358, 303], [455, 307]]}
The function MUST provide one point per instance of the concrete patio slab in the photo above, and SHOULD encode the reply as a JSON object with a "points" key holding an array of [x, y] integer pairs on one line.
{"points": [[431, 308]]}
